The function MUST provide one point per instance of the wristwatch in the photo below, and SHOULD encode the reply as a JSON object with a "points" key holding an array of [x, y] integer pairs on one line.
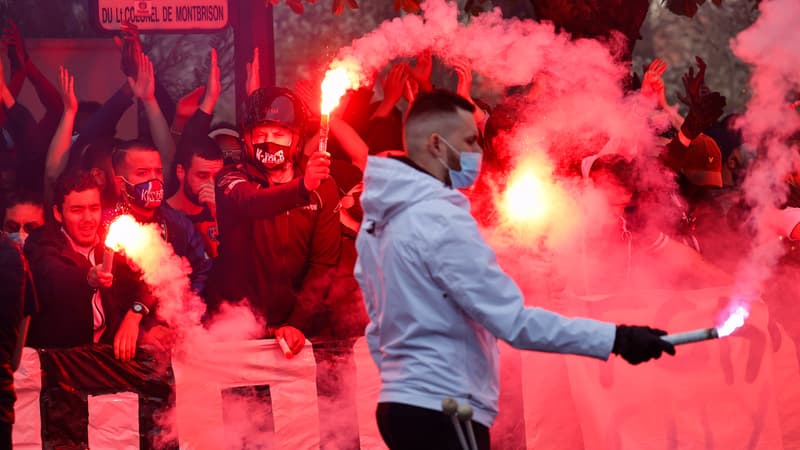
{"points": [[139, 308]]}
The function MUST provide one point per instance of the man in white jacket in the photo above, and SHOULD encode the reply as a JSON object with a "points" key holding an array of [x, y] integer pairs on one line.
{"points": [[436, 298]]}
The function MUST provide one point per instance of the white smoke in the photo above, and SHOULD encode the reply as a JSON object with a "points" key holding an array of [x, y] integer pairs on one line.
{"points": [[770, 47]]}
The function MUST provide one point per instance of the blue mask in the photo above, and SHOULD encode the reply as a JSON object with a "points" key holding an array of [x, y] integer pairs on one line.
{"points": [[470, 167]]}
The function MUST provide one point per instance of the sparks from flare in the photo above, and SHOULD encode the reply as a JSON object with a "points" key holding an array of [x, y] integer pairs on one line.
{"points": [[733, 322]]}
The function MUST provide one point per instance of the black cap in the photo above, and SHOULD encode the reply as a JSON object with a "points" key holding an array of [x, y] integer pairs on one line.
{"points": [[273, 106]]}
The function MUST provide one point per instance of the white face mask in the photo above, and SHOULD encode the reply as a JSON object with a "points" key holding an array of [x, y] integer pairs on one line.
{"points": [[18, 237], [470, 167]]}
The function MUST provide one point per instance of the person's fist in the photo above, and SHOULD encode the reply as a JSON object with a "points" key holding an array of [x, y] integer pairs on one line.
{"points": [[206, 193], [318, 169], [97, 278], [294, 338], [639, 344], [126, 337]]}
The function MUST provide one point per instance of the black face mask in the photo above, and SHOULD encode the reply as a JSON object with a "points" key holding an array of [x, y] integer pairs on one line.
{"points": [[273, 156]]}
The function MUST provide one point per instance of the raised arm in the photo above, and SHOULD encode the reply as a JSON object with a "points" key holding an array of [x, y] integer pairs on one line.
{"points": [[58, 152], [143, 88], [464, 89], [17, 57]]}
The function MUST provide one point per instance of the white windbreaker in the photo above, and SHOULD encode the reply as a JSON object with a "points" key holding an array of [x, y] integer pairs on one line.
{"points": [[438, 301]]}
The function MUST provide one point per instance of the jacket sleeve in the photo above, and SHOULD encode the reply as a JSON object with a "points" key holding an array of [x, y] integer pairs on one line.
{"points": [[466, 269], [325, 250], [21, 126], [101, 123], [197, 126], [54, 278], [13, 278], [238, 195], [47, 93]]}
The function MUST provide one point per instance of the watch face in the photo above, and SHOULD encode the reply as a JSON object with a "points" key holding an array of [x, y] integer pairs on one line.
{"points": [[138, 308]]}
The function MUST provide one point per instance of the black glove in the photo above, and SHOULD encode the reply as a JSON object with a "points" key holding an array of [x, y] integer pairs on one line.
{"points": [[705, 107], [703, 112], [640, 344]]}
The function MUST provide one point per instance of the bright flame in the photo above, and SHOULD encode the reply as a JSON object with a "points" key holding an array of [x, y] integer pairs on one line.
{"points": [[334, 86], [525, 199], [125, 233], [734, 322]]}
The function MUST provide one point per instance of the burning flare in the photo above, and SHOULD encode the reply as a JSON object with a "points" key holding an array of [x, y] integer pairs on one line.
{"points": [[526, 198], [734, 322], [125, 233], [334, 86]]}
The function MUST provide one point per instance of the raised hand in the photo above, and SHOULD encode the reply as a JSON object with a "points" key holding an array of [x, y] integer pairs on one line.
{"points": [[692, 83], [13, 40], [653, 83], [213, 85], [705, 106], [130, 45], [395, 82], [704, 111], [144, 86], [66, 86], [464, 73], [253, 73], [189, 103], [421, 72]]}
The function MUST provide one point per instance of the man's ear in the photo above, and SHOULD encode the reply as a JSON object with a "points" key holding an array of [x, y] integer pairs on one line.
{"points": [[434, 144], [120, 183], [57, 214], [180, 173]]}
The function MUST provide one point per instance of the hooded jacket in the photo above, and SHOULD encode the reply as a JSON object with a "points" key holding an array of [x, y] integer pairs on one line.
{"points": [[438, 301], [65, 317]]}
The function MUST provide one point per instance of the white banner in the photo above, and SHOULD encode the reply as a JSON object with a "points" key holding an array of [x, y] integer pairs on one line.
{"points": [[220, 396], [162, 15], [27, 431], [114, 421]]}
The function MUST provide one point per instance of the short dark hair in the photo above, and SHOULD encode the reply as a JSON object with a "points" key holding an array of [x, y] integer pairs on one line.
{"points": [[23, 198], [123, 147], [96, 151], [200, 146], [72, 181], [438, 101]]}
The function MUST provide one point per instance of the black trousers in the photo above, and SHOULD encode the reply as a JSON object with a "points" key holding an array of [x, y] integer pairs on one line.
{"points": [[5, 436], [406, 427]]}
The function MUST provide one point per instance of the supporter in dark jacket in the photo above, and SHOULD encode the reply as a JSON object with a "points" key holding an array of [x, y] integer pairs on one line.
{"points": [[81, 302], [17, 298], [140, 179], [279, 231]]}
